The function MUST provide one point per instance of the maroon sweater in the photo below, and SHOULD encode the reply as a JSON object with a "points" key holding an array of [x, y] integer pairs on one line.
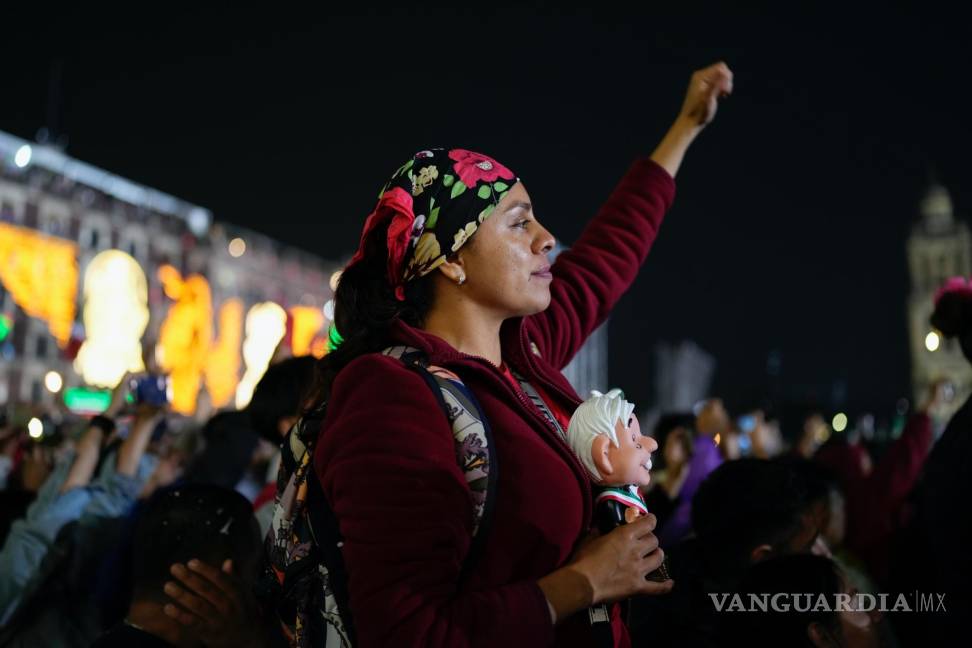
{"points": [[388, 466]]}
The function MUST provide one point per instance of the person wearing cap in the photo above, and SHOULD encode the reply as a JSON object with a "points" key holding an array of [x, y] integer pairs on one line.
{"points": [[454, 261]]}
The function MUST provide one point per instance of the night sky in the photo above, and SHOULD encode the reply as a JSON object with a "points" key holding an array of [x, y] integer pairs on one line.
{"points": [[788, 232]]}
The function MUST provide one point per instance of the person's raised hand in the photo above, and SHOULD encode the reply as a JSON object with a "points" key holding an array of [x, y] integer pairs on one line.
{"points": [[119, 396], [616, 564], [706, 87], [215, 604]]}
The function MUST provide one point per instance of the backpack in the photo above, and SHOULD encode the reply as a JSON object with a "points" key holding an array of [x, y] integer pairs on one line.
{"points": [[304, 581]]}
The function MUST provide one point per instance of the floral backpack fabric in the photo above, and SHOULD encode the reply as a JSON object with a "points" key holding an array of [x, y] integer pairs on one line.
{"points": [[304, 582]]}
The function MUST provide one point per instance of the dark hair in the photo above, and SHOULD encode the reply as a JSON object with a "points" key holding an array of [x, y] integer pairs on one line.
{"points": [[743, 504], [280, 393], [805, 574], [953, 317], [228, 451], [365, 307], [817, 480], [209, 523]]}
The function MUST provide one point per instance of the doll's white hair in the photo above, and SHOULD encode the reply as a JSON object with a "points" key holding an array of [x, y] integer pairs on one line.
{"points": [[597, 416]]}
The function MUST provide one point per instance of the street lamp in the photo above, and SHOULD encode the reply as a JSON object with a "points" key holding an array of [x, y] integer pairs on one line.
{"points": [[35, 428], [53, 382]]}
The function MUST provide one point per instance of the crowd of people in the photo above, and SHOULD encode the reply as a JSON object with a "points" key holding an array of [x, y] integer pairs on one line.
{"points": [[414, 487]]}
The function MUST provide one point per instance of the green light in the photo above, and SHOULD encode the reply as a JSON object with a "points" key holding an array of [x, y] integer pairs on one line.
{"points": [[5, 326], [82, 400]]}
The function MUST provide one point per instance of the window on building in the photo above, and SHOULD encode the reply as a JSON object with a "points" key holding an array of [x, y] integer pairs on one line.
{"points": [[41, 346], [93, 239], [36, 391], [6, 211]]}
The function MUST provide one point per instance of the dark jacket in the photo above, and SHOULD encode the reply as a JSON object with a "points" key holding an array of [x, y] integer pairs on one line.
{"points": [[388, 466]]}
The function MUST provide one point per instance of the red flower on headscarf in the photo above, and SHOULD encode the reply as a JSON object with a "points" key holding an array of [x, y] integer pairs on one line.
{"points": [[394, 205], [475, 167]]}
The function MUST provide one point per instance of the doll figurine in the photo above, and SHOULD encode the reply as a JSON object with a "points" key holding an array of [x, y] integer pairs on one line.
{"points": [[606, 437]]}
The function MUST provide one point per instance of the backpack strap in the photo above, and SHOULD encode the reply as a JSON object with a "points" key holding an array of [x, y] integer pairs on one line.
{"points": [[475, 450]]}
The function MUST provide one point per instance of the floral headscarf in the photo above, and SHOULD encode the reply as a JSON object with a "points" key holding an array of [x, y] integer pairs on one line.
{"points": [[435, 202]]}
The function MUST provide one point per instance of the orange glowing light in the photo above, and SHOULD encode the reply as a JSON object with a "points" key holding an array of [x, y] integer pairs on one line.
{"points": [[41, 274], [185, 336], [223, 362], [307, 323]]}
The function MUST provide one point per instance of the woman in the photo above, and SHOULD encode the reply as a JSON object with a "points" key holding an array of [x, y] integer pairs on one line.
{"points": [[453, 261]]}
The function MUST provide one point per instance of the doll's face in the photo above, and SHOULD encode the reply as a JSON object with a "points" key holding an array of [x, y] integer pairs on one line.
{"points": [[630, 461]]}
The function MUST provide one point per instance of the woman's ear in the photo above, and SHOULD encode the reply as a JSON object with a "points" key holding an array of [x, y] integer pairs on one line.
{"points": [[599, 453], [453, 270]]}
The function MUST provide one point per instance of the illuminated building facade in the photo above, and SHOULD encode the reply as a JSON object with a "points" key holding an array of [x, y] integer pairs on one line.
{"points": [[93, 266], [65, 305]]}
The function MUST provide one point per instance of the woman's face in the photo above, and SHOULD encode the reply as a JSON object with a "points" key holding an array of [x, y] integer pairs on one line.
{"points": [[674, 451], [506, 264]]}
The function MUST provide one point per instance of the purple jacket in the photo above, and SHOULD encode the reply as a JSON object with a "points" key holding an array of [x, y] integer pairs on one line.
{"points": [[705, 459]]}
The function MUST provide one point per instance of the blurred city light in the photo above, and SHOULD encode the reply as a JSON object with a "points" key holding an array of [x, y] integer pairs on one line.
{"points": [[932, 341], [35, 428], [840, 422], [41, 274], [266, 324], [307, 322], [115, 316], [237, 247], [83, 400], [335, 278], [53, 382], [329, 310], [23, 155]]}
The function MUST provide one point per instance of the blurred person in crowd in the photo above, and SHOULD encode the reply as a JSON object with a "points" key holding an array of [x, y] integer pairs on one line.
{"points": [[229, 444], [934, 554], [765, 439], [805, 429], [803, 622], [711, 421], [240, 447], [277, 402], [746, 511], [102, 481], [876, 493], [675, 436], [826, 504], [211, 534], [712, 418]]}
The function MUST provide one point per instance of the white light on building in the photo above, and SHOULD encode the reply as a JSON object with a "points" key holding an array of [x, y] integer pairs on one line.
{"points": [[53, 382], [840, 422], [932, 341], [23, 155], [237, 247], [335, 278], [35, 428], [329, 310]]}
